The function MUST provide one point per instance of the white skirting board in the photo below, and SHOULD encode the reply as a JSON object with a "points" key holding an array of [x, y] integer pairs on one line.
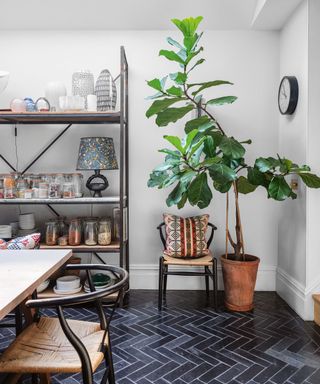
{"points": [[297, 295], [145, 276]]}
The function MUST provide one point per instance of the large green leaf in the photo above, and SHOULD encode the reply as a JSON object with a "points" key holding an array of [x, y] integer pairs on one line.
{"points": [[222, 173], [255, 177], [195, 147], [189, 25], [222, 187], [189, 138], [244, 186], [310, 179], [176, 194], [174, 154], [231, 148], [171, 115], [178, 77], [192, 55], [157, 179], [183, 200], [279, 189], [201, 123], [209, 147], [172, 56], [174, 43], [176, 142], [199, 192], [175, 91], [207, 84], [216, 136], [159, 105], [263, 165], [199, 62], [222, 100], [155, 84]]}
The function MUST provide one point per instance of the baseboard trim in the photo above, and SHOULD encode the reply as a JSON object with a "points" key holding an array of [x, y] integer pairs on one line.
{"points": [[145, 276]]}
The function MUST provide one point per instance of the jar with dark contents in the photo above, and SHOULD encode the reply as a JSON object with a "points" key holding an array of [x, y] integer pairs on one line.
{"points": [[75, 232], [52, 233]]}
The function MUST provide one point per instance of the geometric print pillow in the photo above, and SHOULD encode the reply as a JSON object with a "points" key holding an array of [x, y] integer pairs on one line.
{"points": [[26, 242], [186, 238]]}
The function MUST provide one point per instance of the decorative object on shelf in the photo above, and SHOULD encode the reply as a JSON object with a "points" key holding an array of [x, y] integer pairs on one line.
{"points": [[18, 105], [42, 105], [83, 83], [67, 283], [43, 286], [106, 92], [4, 78], [27, 221], [53, 90], [91, 103], [75, 232], [30, 104], [77, 180], [52, 233], [288, 95], [104, 232], [26, 242], [72, 103], [97, 153]]}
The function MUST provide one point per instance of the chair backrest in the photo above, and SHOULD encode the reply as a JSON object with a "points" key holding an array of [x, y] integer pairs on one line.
{"points": [[94, 296], [161, 227]]}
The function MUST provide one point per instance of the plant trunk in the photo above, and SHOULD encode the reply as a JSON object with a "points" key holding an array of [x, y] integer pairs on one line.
{"points": [[238, 245]]}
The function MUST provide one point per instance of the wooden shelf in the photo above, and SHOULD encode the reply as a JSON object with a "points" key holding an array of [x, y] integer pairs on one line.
{"points": [[79, 200], [49, 293], [114, 247], [8, 117]]}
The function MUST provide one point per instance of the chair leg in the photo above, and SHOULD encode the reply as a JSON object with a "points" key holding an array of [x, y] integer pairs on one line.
{"points": [[160, 293], [215, 284], [206, 270], [165, 279], [45, 378], [111, 376]]}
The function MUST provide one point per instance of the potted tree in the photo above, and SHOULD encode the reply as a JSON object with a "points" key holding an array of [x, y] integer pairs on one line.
{"points": [[207, 158]]}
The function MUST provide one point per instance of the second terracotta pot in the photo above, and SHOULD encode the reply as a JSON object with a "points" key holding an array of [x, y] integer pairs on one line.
{"points": [[239, 278]]}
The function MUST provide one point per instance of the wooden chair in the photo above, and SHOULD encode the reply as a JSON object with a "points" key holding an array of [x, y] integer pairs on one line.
{"points": [[57, 345], [206, 262]]}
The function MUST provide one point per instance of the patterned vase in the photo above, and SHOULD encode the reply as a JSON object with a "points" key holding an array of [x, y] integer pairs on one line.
{"points": [[106, 92], [83, 83]]}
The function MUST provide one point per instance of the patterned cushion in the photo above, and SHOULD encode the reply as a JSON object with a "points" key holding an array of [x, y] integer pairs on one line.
{"points": [[186, 237], [26, 242]]}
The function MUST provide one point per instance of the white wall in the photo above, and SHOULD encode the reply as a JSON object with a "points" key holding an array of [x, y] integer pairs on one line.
{"points": [[249, 59]]}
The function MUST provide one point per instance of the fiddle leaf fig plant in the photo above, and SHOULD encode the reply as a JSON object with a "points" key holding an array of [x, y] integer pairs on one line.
{"points": [[208, 158]]}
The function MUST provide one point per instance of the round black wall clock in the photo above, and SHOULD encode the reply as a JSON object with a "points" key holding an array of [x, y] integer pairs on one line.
{"points": [[288, 95]]}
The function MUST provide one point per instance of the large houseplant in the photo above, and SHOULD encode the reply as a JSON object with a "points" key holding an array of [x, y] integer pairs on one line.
{"points": [[208, 159]]}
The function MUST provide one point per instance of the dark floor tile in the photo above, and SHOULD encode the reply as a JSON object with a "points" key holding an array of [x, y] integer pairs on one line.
{"points": [[302, 374]]}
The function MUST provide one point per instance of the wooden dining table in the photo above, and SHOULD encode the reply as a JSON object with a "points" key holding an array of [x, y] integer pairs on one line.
{"points": [[22, 271]]}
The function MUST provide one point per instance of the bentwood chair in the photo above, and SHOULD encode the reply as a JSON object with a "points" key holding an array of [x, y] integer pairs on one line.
{"points": [[57, 345], [206, 262]]}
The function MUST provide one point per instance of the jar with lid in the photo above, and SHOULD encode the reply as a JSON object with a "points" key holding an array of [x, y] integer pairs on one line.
{"points": [[77, 180], [104, 232], [75, 232], [54, 190], [91, 232], [68, 190], [9, 184], [43, 190], [52, 233], [59, 178], [21, 188]]}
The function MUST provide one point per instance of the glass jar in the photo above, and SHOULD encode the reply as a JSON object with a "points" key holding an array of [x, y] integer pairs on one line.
{"points": [[54, 190], [116, 223], [77, 179], [43, 190], [91, 232], [59, 178], [28, 194], [9, 185], [104, 232], [52, 233], [68, 190], [75, 232], [21, 188], [1, 188]]}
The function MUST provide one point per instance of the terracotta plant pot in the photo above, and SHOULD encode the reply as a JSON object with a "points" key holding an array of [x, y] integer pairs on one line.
{"points": [[239, 278]]}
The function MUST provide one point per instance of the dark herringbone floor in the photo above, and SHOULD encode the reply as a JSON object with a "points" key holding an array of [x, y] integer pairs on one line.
{"points": [[188, 342]]}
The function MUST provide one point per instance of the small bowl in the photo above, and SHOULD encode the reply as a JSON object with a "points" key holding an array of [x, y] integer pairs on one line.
{"points": [[67, 283], [43, 286]]}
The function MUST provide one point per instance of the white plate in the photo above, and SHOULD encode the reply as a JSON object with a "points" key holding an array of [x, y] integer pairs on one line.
{"points": [[43, 286], [70, 292]]}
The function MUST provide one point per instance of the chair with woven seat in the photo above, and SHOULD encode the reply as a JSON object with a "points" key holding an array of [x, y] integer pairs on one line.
{"points": [[206, 262], [57, 345]]}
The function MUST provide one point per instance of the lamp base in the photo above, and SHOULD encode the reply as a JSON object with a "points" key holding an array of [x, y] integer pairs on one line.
{"points": [[95, 187]]}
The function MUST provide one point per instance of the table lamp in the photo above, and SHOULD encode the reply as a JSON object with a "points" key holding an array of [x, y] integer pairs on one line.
{"points": [[96, 153]]}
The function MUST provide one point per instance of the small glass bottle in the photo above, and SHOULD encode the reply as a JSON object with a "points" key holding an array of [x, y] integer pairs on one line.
{"points": [[68, 190], [1, 189], [77, 179], [104, 232], [21, 188], [59, 178], [75, 232], [43, 190], [9, 184], [91, 232], [51, 233]]}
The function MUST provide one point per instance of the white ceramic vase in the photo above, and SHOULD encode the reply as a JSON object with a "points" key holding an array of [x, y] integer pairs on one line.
{"points": [[53, 91]]}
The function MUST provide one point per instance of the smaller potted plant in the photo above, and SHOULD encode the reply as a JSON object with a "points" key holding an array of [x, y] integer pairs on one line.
{"points": [[208, 159]]}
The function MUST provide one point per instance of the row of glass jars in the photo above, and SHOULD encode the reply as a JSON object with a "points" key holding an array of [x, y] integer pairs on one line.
{"points": [[41, 186], [90, 231]]}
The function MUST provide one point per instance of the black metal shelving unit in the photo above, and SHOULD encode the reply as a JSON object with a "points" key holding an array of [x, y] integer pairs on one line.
{"points": [[120, 118]]}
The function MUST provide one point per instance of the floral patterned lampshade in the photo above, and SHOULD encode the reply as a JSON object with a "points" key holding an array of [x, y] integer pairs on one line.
{"points": [[96, 153]]}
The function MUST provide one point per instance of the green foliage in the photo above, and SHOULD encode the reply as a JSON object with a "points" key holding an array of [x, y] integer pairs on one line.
{"points": [[206, 158]]}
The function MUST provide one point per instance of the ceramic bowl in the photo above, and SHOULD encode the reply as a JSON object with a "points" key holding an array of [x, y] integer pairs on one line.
{"points": [[43, 286], [4, 78], [67, 283]]}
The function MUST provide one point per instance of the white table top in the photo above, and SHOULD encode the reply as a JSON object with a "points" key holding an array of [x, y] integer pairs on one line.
{"points": [[22, 271]]}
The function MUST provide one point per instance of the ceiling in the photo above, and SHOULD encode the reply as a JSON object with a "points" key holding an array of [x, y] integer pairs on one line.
{"points": [[142, 14]]}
